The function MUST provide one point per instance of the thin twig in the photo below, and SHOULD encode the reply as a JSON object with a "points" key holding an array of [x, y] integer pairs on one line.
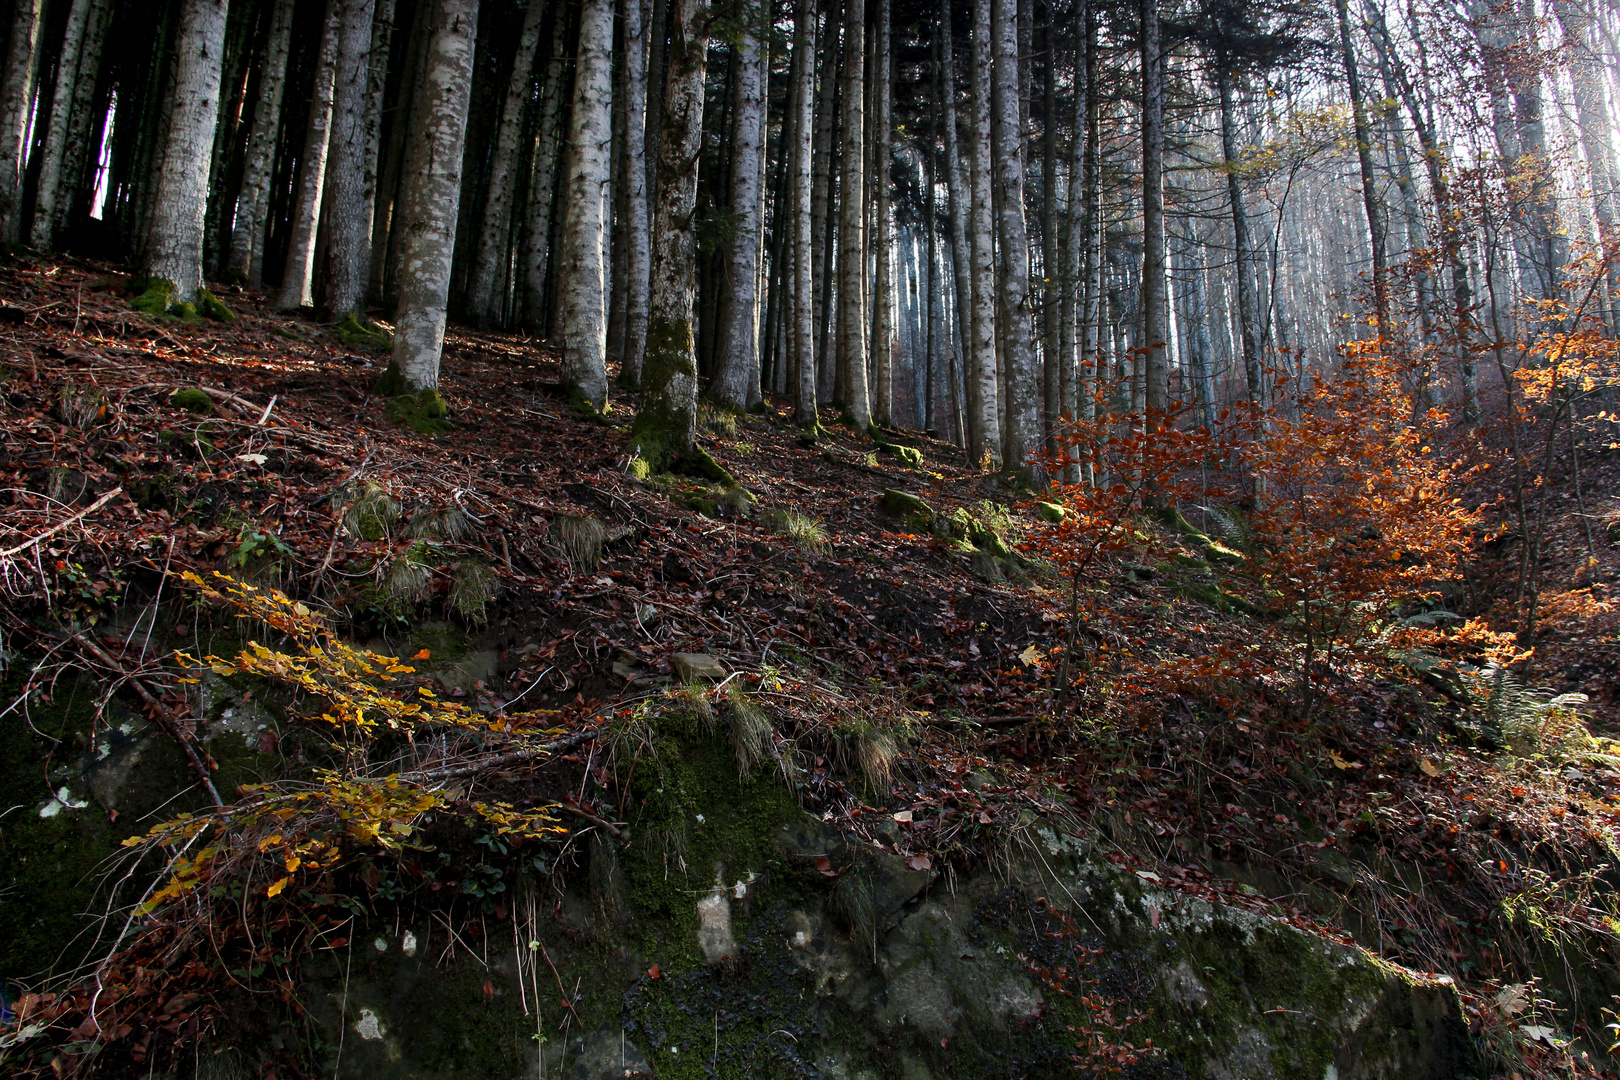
{"points": [[59, 526]]}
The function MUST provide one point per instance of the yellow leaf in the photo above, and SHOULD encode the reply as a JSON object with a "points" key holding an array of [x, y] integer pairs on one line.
{"points": [[1030, 657], [293, 862], [275, 889], [1341, 763], [1429, 768]]}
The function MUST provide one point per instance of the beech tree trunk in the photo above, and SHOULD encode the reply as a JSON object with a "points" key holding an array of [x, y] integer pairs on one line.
{"points": [[485, 297], [638, 228], [16, 106], [1022, 435], [432, 194], [738, 360], [852, 311], [175, 248], [42, 233], [75, 188], [802, 367], [581, 273], [348, 168], [1155, 307], [666, 421], [960, 198], [1071, 277], [883, 285], [1246, 269], [298, 279], [246, 258], [543, 186], [1369, 182], [983, 393]]}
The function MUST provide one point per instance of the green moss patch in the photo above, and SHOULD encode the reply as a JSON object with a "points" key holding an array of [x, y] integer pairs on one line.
{"points": [[210, 306], [424, 413], [193, 401], [355, 334]]}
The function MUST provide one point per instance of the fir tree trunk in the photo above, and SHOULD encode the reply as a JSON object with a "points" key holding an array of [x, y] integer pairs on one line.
{"points": [[983, 392], [47, 205], [638, 228], [738, 364], [581, 271], [432, 194], [16, 106], [348, 168], [246, 258], [883, 283], [802, 367], [175, 248], [543, 186], [826, 183], [666, 422], [492, 257], [75, 189], [852, 311], [297, 280], [960, 196], [1022, 436], [1155, 307], [1071, 277]]}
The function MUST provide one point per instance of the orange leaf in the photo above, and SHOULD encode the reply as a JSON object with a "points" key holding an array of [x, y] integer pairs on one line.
{"points": [[422, 654]]}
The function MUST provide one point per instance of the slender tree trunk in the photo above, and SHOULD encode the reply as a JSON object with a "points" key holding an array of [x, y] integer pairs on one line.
{"points": [[1023, 437], [983, 393], [883, 285], [738, 361], [666, 422], [1369, 181], [803, 365], [175, 248], [16, 106], [826, 181], [348, 202], [1070, 356], [638, 235], [432, 194], [1155, 306], [852, 310], [47, 201], [395, 149], [382, 36], [73, 194], [958, 190], [297, 280], [581, 271], [1052, 354], [543, 186], [1244, 270], [494, 241], [246, 258]]}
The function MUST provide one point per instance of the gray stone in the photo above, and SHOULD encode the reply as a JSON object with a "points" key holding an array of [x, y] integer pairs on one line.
{"points": [[609, 1055], [695, 667]]}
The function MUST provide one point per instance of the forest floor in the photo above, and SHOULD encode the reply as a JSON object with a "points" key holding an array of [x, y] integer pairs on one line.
{"points": [[1388, 812]]}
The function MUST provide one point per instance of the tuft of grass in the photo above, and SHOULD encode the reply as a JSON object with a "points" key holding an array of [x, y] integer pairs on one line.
{"points": [[718, 420], [806, 532], [449, 523], [82, 407], [579, 540], [473, 586], [752, 735], [372, 513]]}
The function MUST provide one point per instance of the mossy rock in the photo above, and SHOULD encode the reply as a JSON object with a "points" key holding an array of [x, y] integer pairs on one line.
{"points": [[700, 464], [738, 502], [355, 334], [193, 401], [210, 306], [185, 311], [1050, 513], [640, 468], [424, 413], [909, 456], [916, 514], [1217, 552], [153, 296]]}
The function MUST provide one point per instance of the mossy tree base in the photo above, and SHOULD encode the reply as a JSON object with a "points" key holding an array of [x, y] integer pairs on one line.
{"points": [[424, 413]]}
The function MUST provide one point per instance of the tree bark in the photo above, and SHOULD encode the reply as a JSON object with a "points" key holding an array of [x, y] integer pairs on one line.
{"points": [[666, 422], [246, 257], [543, 186], [75, 190], [802, 367], [297, 280], [852, 310], [494, 241], [1022, 435], [1369, 181], [432, 194], [959, 193], [1244, 270], [738, 361], [1071, 355], [638, 228], [47, 203], [883, 285], [581, 270], [1155, 309], [983, 393], [16, 106], [348, 194], [175, 248]]}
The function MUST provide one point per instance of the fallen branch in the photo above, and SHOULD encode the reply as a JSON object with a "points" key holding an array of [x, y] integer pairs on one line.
{"points": [[59, 526]]}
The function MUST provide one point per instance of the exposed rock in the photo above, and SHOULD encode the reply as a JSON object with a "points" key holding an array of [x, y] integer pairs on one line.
{"points": [[695, 667], [608, 1055]]}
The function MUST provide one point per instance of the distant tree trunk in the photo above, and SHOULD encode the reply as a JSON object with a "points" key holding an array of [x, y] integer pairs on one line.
{"points": [[74, 192], [401, 123], [382, 33], [852, 310], [47, 204], [246, 257], [1155, 309], [638, 228], [1198, 319], [581, 270], [1245, 269], [432, 194], [1053, 360], [738, 361], [960, 195], [666, 422], [348, 194], [883, 285], [1071, 355], [826, 181], [297, 280], [983, 393], [1369, 181], [543, 185], [175, 248], [1022, 436], [16, 106], [492, 256], [803, 364]]}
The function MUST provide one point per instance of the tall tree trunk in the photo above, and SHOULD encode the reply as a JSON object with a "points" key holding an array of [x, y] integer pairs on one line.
{"points": [[1023, 420], [16, 107], [958, 191], [826, 181], [492, 256], [400, 121], [543, 185], [738, 361], [47, 203], [75, 190], [1071, 356], [1155, 307], [1245, 269], [803, 364], [1052, 356], [581, 270], [1369, 181], [433, 194], [983, 393], [883, 286], [638, 228], [382, 37], [297, 280], [246, 257], [852, 310], [348, 193], [175, 248], [666, 422]]}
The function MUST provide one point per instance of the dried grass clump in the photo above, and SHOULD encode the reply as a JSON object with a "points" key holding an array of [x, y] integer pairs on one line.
{"points": [[473, 586]]}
